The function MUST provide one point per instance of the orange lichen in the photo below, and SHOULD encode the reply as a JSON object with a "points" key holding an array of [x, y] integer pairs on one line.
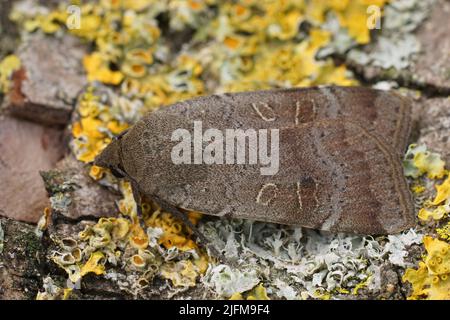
{"points": [[96, 172], [174, 235]]}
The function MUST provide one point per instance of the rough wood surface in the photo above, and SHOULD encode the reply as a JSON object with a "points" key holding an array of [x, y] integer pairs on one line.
{"points": [[25, 149], [434, 125], [49, 81], [80, 196]]}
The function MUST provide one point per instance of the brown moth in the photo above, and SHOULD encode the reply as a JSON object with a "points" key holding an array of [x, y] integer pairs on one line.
{"points": [[339, 170]]}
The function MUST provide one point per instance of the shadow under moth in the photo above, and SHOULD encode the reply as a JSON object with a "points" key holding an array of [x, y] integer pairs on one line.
{"points": [[339, 158]]}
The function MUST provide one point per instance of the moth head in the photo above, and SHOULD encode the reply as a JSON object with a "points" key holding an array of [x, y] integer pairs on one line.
{"points": [[111, 159]]}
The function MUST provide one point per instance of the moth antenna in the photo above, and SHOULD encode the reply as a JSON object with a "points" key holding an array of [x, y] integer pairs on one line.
{"points": [[183, 217]]}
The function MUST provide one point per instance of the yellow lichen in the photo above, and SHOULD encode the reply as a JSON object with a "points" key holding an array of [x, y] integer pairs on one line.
{"points": [[237, 296], [436, 214], [181, 273], [417, 189], [120, 228], [126, 232], [257, 293], [70, 262], [93, 132], [95, 264], [431, 280], [322, 295], [97, 70], [361, 285], [419, 160], [443, 192], [444, 232], [342, 291], [8, 65], [440, 206], [66, 293], [175, 234]]}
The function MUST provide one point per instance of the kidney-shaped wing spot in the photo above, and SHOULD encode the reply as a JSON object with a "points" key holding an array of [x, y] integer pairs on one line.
{"points": [[267, 193], [265, 111]]}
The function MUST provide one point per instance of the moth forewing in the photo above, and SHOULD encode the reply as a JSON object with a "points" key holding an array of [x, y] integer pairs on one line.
{"points": [[386, 113], [339, 159]]}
